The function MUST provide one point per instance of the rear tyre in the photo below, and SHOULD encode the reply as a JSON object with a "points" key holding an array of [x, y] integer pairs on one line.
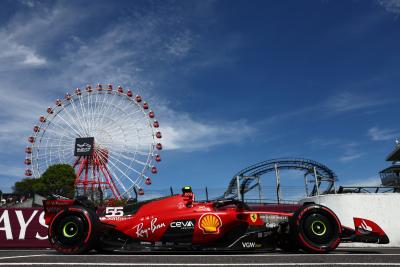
{"points": [[316, 229], [72, 230]]}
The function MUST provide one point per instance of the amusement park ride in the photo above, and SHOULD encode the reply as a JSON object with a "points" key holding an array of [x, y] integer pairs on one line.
{"points": [[110, 136], [320, 176]]}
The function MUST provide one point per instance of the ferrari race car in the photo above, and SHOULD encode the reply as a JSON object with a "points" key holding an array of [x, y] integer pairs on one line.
{"points": [[178, 222]]}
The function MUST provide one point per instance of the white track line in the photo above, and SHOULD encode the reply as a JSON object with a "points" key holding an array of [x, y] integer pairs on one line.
{"points": [[22, 256], [27, 250], [215, 255]]}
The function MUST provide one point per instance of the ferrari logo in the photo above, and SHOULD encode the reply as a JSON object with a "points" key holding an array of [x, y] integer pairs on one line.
{"points": [[253, 217]]}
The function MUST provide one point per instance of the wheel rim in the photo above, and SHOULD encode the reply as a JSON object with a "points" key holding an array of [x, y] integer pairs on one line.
{"points": [[70, 230], [318, 228]]}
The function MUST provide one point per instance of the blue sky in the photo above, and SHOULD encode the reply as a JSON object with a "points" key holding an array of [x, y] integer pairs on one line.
{"points": [[233, 82]]}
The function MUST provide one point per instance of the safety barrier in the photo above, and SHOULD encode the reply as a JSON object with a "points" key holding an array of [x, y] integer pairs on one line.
{"points": [[381, 208], [23, 228]]}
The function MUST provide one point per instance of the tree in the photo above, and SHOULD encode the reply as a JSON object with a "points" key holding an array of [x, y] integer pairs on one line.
{"points": [[25, 187], [57, 179]]}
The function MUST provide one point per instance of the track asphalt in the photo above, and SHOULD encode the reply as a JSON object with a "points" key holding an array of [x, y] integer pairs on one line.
{"points": [[341, 257]]}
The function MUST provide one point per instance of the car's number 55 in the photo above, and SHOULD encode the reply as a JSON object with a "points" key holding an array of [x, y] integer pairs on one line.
{"points": [[114, 211]]}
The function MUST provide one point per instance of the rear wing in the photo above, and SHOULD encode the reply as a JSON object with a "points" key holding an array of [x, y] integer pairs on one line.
{"points": [[52, 207]]}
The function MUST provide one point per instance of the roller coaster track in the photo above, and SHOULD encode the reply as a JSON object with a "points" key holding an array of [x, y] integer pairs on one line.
{"points": [[248, 175]]}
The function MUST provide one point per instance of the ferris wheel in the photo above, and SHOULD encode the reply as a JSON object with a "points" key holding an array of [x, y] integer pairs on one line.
{"points": [[109, 136]]}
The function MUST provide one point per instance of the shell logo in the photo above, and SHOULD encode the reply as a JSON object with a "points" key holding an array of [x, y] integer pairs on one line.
{"points": [[210, 223]]}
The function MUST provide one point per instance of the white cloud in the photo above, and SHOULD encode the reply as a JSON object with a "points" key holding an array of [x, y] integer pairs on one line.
{"points": [[28, 3], [182, 132], [140, 54], [322, 143], [377, 134], [181, 45], [351, 152], [334, 105], [392, 6], [346, 101], [14, 55], [350, 157], [22, 38], [140, 50], [136, 51], [19, 111], [25, 38]]}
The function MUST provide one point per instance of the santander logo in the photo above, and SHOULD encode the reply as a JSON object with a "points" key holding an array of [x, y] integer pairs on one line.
{"points": [[365, 226]]}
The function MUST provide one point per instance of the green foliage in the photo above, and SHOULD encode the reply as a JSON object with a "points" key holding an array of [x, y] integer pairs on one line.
{"points": [[25, 186], [117, 202], [57, 179]]}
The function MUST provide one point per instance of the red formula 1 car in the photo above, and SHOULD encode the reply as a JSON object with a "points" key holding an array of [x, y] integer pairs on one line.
{"points": [[179, 222]]}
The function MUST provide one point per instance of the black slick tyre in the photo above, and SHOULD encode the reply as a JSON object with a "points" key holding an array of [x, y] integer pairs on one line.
{"points": [[72, 231], [316, 229]]}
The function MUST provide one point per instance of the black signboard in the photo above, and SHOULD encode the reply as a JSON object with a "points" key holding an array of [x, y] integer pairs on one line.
{"points": [[84, 146]]}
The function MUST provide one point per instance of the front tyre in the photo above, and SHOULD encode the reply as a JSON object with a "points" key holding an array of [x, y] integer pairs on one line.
{"points": [[316, 229], [72, 230]]}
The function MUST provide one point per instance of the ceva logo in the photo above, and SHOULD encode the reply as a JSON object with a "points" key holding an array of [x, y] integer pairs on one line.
{"points": [[188, 224]]}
